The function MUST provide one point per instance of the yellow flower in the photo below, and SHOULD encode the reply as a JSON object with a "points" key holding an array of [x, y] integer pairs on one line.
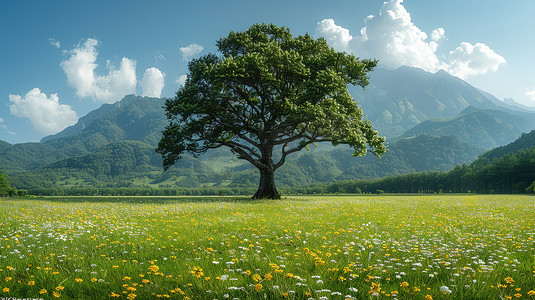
{"points": [[289, 275], [428, 297], [509, 280], [5, 290], [404, 284], [531, 293], [31, 282], [268, 276], [78, 280], [131, 289], [248, 272], [145, 281], [341, 278], [115, 295], [154, 268], [131, 296], [258, 287], [56, 294], [197, 272], [9, 278], [126, 278], [517, 295], [43, 291], [94, 279], [59, 288], [257, 277]]}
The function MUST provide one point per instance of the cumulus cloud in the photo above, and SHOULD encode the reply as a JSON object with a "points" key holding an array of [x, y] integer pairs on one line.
{"points": [[152, 82], [1, 120], [181, 80], [476, 59], [54, 43], [336, 36], [395, 40], [45, 113], [438, 34], [190, 51], [80, 71]]}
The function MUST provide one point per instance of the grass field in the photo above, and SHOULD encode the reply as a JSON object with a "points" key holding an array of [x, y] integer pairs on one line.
{"points": [[344, 247]]}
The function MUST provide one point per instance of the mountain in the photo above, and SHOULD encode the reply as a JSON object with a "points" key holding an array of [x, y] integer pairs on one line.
{"points": [[397, 100], [487, 128], [525, 141]]}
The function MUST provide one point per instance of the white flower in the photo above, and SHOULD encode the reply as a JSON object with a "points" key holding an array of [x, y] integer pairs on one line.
{"points": [[224, 277], [445, 290], [319, 281], [353, 289]]}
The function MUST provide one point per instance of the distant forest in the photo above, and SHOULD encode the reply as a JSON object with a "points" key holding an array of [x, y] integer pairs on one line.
{"points": [[508, 174]]}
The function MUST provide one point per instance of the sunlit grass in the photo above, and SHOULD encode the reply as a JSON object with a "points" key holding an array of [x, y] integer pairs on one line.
{"points": [[309, 247]]}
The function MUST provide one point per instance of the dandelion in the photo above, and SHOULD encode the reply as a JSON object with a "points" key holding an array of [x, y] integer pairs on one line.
{"points": [[31, 282], [6, 290], [428, 297], [95, 279], [79, 280], [268, 276], [43, 291], [257, 277], [9, 278], [126, 278], [404, 284], [517, 295], [531, 293], [258, 287], [56, 294], [509, 280], [154, 268], [59, 288]]}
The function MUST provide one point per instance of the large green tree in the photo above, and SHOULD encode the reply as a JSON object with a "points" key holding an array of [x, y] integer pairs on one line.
{"points": [[268, 95]]}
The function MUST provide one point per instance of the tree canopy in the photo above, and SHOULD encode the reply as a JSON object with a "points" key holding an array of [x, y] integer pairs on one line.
{"points": [[268, 95]]}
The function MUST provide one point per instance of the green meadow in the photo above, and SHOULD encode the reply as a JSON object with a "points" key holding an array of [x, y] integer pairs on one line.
{"points": [[324, 247]]}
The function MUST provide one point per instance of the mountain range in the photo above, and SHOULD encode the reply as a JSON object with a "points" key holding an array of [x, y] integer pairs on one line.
{"points": [[432, 121]]}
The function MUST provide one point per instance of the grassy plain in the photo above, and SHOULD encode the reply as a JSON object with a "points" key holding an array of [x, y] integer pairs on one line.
{"points": [[343, 247]]}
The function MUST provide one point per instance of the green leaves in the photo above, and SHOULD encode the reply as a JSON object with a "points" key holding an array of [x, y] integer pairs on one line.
{"points": [[267, 90]]}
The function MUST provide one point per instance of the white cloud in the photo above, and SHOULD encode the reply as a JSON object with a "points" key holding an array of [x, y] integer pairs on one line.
{"points": [[181, 80], [438, 34], [80, 71], [476, 59], [45, 113], [190, 51], [531, 94], [336, 36], [1, 120], [393, 39], [152, 82], [54, 43]]}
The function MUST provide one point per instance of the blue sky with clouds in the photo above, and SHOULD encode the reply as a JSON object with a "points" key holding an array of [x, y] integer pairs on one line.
{"points": [[62, 59]]}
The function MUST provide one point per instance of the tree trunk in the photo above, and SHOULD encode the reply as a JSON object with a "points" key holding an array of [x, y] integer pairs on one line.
{"points": [[266, 187]]}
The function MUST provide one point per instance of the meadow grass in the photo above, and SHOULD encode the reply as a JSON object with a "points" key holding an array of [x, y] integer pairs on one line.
{"points": [[343, 247]]}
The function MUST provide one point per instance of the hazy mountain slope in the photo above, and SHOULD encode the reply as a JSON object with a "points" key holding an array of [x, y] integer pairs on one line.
{"points": [[485, 128], [396, 100], [525, 141]]}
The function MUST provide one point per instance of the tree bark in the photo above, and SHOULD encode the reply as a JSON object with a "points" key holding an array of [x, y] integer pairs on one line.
{"points": [[266, 187]]}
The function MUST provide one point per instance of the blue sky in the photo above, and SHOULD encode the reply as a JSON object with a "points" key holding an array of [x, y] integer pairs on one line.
{"points": [[62, 59]]}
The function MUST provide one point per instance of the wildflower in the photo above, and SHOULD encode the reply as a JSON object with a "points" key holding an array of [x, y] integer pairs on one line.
{"points": [[43, 291], [352, 289], [342, 278], [59, 288], [31, 282], [257, 277], [404, 284], [289, 275], [509, 280], [224, 277], [6, 290], [56, 294], [9, 278], [248, 272], [95, 279], [531, 293], [517, 295], [258, 287], [268, 276], [131, 296], [197, 272], [154, 268], [445, 290], [115, 295], [126, 278], [375, 289], [428, 297], [78, 280]]}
